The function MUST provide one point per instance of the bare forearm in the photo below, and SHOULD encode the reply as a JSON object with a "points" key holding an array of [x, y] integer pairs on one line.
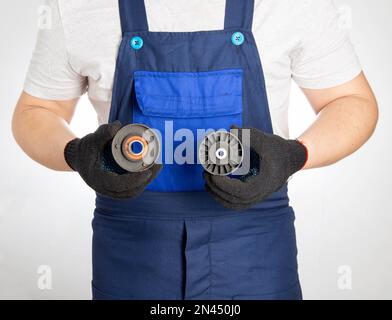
{"points": [[341, 128], [42, 133]]}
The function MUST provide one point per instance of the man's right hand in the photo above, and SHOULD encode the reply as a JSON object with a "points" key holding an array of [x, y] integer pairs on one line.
{"points": [[86, 157]]}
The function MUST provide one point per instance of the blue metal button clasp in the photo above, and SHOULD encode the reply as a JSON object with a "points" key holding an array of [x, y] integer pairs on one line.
{"points": [[136, 43], [238, 38]]}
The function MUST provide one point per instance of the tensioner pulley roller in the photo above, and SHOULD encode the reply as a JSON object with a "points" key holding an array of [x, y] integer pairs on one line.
{"points": [[136, 148]]}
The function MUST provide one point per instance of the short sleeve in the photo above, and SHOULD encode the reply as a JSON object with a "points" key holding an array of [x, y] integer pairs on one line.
{"points": [[50, 75], [326, 57]]}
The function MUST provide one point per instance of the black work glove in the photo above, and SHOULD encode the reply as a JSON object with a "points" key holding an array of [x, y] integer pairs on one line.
{"points": [[273, 160], [89, 156]]}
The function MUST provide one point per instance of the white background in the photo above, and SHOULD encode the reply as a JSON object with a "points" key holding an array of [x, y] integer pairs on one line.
{"points": [[344, 212]]}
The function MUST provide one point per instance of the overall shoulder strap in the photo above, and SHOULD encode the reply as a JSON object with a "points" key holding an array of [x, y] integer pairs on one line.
{"points": [[239, 14], [133, 15]]}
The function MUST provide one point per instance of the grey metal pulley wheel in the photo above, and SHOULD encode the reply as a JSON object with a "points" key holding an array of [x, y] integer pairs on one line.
{"points": [[221, 153], [135, 148]]}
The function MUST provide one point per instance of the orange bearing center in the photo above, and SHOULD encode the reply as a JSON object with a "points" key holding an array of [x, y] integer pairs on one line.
{"points": [[127, 148]]}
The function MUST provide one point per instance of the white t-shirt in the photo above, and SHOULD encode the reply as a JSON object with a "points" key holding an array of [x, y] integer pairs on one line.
{"points": [[297, 39]]}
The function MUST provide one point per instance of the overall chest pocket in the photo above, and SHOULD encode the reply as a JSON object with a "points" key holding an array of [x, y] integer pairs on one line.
{"points": [[182, 107]]}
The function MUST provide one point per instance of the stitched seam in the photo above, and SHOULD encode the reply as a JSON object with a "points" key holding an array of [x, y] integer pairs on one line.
{"points": [[210, 261], [202, 74], [270, 213], [297, 283], [185, 275], [187, 98], [188, 33], [174, 115]]}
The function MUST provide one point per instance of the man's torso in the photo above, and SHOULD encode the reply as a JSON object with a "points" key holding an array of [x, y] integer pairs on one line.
{"points": [[93, 33]]}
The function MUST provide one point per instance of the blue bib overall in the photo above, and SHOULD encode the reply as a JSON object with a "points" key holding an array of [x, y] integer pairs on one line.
{"points": [[175, 241]]}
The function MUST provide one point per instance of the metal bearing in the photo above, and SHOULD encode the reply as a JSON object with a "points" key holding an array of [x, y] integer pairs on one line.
{"points": [[221, 153], [135, 148]]}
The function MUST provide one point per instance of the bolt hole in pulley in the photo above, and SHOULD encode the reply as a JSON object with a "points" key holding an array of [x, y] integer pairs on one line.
{"points": [[135, 148], [221, 153]]}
